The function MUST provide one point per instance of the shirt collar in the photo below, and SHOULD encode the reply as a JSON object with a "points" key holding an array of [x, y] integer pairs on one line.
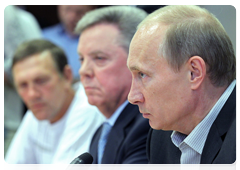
{"points": [[196, 139], [116, 114]]}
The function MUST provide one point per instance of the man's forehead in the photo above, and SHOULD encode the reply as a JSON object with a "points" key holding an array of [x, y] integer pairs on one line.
{"points": [[146, 38], [136, 58], [149, 28], [132, 63], [152, 30], [143, 52]]}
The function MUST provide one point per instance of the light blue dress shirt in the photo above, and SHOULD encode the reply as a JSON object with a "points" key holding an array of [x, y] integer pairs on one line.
{"points": [[58, 36], [192, 145], [116, 114]]}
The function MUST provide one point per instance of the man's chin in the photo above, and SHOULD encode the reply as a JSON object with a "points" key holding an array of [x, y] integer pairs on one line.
{"points": [[40, 116], [93, 101], [153, 126]]}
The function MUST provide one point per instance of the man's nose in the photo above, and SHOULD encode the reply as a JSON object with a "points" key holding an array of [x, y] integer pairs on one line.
{"points": [[33, 92], [86, 69], [135, 96]]}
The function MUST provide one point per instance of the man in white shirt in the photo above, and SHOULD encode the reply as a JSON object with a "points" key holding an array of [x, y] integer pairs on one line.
{"points": [[19, 26], [60, 123]]}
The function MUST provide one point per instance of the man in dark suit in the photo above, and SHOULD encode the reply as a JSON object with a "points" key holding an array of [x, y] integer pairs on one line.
{"points": [[184, 69], [103, 48]]}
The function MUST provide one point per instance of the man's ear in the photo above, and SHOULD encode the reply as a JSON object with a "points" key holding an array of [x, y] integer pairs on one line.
{"points": [[67, 73], [197, 68]]}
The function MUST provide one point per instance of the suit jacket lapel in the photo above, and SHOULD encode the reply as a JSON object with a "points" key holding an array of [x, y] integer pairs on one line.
{"points": [[117, 134], [212, 146], [94, 145], [219, 129]]}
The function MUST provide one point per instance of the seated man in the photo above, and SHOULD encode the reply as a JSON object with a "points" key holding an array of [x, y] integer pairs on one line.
{"points": [[103, 46], [60, 123], [184, 70]]}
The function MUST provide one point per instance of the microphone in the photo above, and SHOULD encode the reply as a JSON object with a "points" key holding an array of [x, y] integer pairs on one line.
{"points": [[81, 162]]}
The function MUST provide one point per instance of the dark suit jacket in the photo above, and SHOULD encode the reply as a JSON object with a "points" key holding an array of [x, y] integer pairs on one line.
{"points": [[219, 148], [126, 141]]}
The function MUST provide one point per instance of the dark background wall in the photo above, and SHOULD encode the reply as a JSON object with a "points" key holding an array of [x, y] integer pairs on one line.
{"points": [[47, 15]]}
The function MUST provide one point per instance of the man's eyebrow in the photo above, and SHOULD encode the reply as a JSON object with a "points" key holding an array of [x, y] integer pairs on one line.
{"points": [[97, 52], [93, 53], [139, 68], [134, 68]]}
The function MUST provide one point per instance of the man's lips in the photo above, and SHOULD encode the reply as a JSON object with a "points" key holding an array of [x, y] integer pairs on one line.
{"points": [[146, 115], [89, 88], [37, 106]]}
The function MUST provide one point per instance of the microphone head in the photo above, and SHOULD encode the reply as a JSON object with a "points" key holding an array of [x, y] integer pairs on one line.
{"points": [[85, 158]]}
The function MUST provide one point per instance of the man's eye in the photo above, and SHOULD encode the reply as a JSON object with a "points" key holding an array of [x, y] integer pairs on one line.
{"points": [[142, 75], [41, 81], [81, 59], [99, 58], [22, 85]]}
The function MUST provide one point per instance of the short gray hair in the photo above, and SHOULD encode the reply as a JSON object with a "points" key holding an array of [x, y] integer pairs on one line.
{"points": [[126, 18], [192, 30]]}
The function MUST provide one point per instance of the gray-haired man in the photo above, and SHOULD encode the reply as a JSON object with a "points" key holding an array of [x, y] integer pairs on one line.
{"points": [[103, 46]]}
